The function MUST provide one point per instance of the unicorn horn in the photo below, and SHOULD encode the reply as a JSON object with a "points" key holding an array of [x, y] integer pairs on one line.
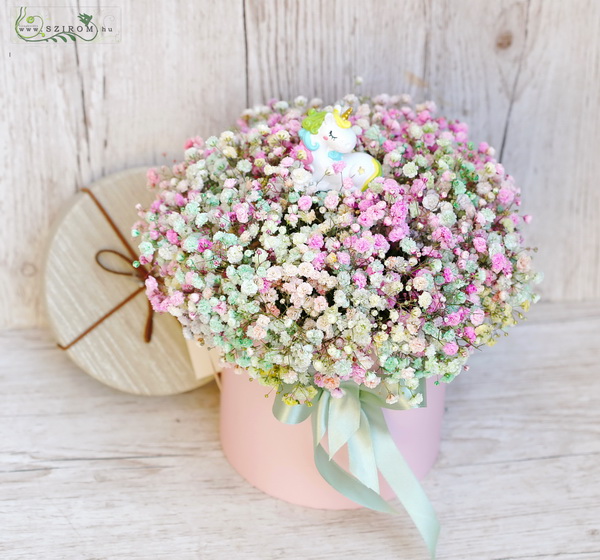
{"points": [[347, 113]]}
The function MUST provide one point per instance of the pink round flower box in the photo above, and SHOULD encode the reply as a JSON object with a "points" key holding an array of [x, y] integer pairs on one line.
{"points": [[278, 458]]}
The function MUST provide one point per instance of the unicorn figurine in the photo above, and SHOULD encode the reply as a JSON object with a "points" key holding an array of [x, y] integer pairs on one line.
{"points": [[329, 140]]}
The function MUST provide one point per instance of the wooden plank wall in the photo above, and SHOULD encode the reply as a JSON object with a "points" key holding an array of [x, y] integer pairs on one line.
{"points": [[525, 74]]}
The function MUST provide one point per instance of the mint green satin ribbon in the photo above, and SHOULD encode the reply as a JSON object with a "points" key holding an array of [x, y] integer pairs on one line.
{"points": [[357, 420]]}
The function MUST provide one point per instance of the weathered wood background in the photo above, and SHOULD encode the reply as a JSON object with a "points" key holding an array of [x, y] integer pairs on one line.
{"points": [[524, 73]]}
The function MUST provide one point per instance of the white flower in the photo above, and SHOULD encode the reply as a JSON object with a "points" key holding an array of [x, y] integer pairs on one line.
{"points": [[394, 156], [290, 270], [235, 254], [340, 298], [425, 300], [274, 273], [306, 269], [293, 313], [299, 238], [448, 218], [289, 377], [391, 399], [248, 287], [167, 252], [229, 152], [304, 289], [415, 131], [191, 153], [256, 332], [300, 101], [489, 168], [410, 170], [420, 283], [322, 323], [417, 345], [407, 373], [398, 334], [431, 200], [301, 177], [244, 166], [412, 384], [262, 320], [371, 380], [374, 300], [524, 262], [416, 400]]}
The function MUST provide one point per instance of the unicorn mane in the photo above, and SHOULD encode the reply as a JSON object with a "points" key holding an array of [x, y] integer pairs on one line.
{"points": [[313, 120]]}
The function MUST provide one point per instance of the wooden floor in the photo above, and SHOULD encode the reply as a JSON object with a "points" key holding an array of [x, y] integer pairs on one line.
{"points": [[90, 473]]}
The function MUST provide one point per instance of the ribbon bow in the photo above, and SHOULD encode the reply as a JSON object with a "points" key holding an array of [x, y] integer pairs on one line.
{"points": [[140, 273], [356, 420]]}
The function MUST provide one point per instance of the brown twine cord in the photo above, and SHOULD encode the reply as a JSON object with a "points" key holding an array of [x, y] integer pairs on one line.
{"points": [[217, 376], [110, 221], [139, 273]]}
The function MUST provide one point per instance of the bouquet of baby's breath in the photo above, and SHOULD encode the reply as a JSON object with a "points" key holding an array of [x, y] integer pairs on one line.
{"points": [[379, 286]]}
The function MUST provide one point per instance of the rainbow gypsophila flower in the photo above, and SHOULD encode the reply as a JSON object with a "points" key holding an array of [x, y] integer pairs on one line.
{"points": [[380, 286]]}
